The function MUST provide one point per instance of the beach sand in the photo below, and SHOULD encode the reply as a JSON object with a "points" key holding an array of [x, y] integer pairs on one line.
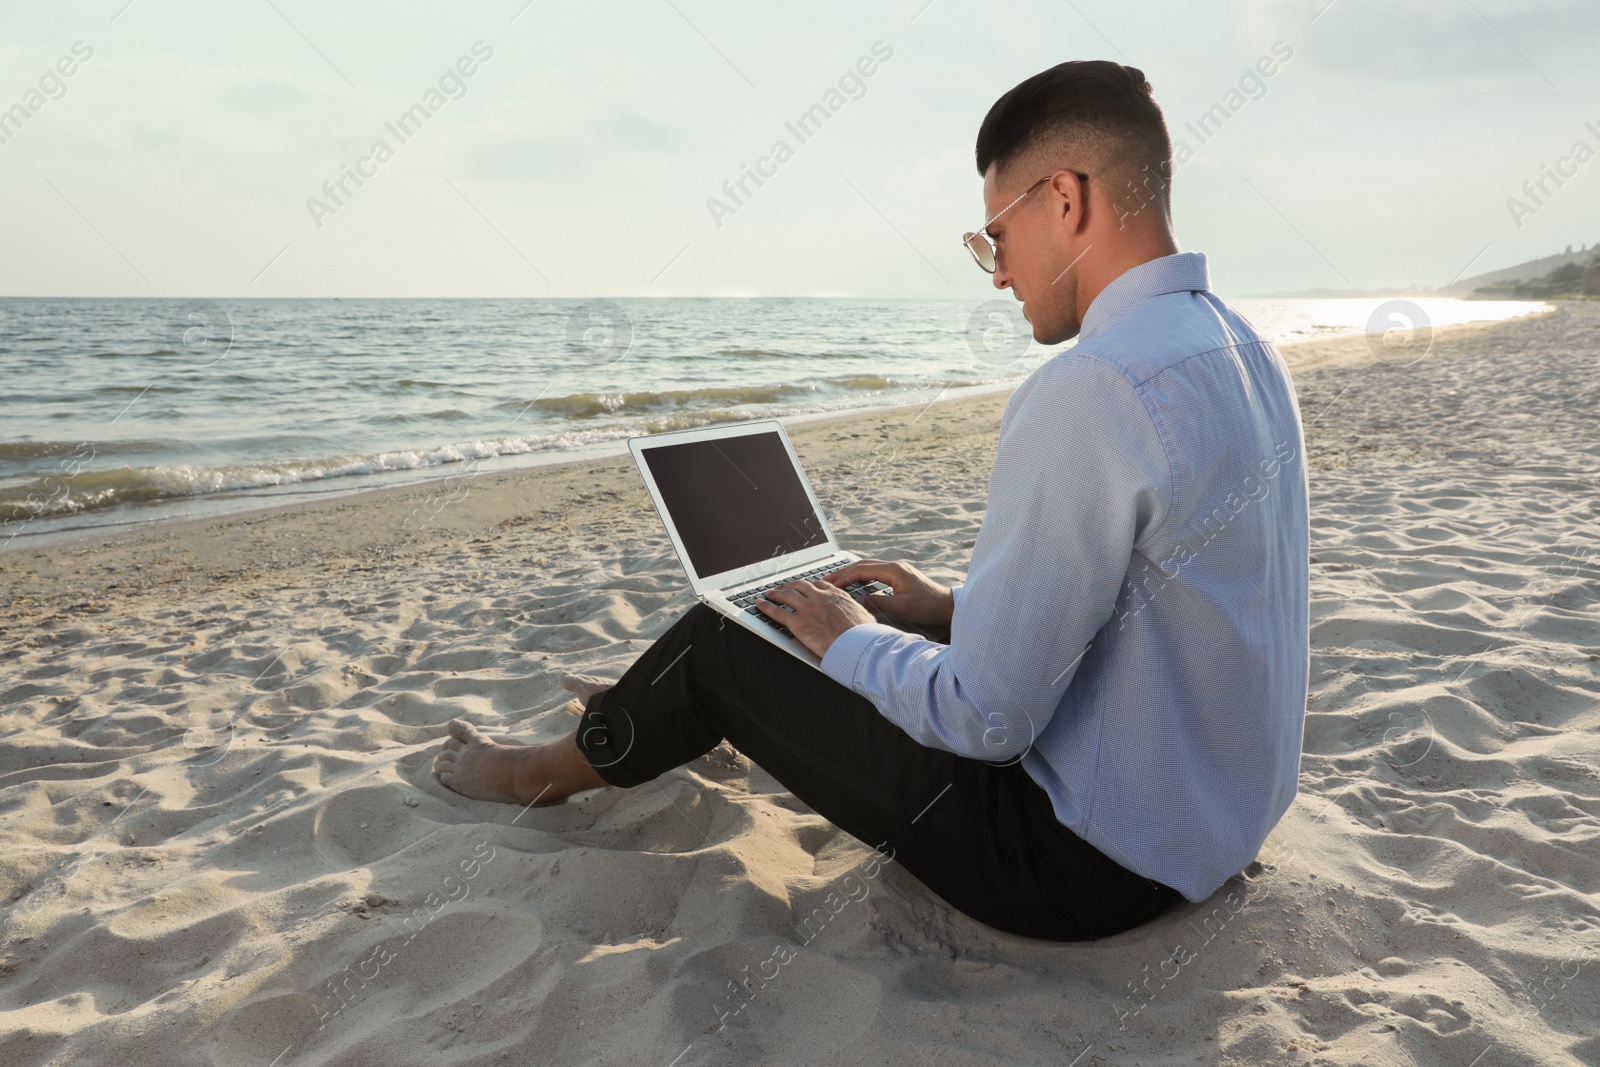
{"points": [[222, 843]]}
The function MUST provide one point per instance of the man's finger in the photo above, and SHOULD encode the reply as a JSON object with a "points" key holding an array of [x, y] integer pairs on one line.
{"points": [[855, 571], [840, 576], [863, 570]]}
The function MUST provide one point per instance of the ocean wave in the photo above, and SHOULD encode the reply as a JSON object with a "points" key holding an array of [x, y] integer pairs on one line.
{"points": [[686, 421], [89, 489], [402, 418], [93, 490], [647, 402], [26, 450], [590, 405], [778, 353]]}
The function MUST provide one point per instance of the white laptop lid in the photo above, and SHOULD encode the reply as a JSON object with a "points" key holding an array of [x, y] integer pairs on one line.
{"points": [[735, 502]]}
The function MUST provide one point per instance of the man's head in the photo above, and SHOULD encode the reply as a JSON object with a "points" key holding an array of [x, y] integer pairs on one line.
{"points": [[1066, 238]]}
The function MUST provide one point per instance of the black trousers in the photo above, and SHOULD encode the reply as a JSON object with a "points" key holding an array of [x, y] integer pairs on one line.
{"points": [[982, 836]]}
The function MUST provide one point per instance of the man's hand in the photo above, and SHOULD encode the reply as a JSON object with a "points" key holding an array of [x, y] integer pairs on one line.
{"points": [[917, 598], [821, 612]]}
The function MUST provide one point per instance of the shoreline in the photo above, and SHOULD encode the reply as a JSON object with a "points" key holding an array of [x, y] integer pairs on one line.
{"points": [[123, 519], [200, 507], [364, 524], [129, 518]]}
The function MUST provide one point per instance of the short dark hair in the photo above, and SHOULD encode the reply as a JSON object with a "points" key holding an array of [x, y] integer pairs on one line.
{"points": [[1104, 106]]}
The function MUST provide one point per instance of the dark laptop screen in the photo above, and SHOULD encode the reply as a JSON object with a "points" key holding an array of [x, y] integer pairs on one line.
{"points": [[735, 501]]}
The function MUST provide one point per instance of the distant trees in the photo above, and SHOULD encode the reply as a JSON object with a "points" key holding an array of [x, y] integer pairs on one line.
{"points": [[1571, 279]]}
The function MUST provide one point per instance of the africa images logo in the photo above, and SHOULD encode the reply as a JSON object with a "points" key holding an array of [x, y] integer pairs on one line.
{"points": [[851, 85], [452, 85]]}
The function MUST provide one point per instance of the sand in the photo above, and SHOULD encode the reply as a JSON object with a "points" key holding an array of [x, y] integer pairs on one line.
{"points": [[222, 843]]}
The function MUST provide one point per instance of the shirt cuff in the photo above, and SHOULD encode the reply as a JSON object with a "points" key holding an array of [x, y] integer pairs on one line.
{"points": [[844, 655], [954, 589]]}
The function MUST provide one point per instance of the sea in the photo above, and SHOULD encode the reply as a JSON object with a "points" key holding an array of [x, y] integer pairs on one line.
{"points": [[125, 412]]}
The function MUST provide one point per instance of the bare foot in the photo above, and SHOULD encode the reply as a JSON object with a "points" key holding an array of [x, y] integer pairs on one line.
{"points": [[477, 766], [585, 686]]}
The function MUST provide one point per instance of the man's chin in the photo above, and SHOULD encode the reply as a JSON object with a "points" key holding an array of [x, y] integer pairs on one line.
{"points": [[1048, 333]]}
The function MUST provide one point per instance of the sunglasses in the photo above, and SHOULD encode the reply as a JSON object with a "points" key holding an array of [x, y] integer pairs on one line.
{"points": [[981, 244]]}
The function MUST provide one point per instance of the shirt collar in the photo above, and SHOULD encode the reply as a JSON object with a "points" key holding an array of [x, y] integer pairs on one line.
{"points": [[1178, 273]]}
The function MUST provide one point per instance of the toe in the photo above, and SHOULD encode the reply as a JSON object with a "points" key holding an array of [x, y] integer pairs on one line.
{"points": [[463, 731]]}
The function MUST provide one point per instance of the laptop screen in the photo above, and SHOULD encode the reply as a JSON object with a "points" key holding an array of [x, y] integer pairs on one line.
{"points": [[734, 501]]}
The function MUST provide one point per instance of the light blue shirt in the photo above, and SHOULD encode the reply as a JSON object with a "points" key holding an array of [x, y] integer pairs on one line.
{"points": [[1133, 625]]}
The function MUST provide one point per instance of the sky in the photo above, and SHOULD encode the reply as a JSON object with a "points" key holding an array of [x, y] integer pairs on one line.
{"points": [[195, 148]]}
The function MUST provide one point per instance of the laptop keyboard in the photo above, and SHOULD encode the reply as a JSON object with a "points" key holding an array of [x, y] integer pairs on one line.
{"points": [[747, 599]]}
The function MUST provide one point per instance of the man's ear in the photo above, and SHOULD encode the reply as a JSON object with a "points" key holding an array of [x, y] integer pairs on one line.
{"points": [[1074, 202]]}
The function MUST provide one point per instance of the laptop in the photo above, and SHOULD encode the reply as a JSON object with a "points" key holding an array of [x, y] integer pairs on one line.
{"points": [[743, 519]]}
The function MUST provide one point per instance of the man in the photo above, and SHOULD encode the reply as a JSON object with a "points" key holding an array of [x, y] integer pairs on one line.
{"points": [[1116, 719]]}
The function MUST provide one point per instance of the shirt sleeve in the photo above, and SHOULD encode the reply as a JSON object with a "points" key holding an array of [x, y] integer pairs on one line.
{"points": [[1080, 475]]}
